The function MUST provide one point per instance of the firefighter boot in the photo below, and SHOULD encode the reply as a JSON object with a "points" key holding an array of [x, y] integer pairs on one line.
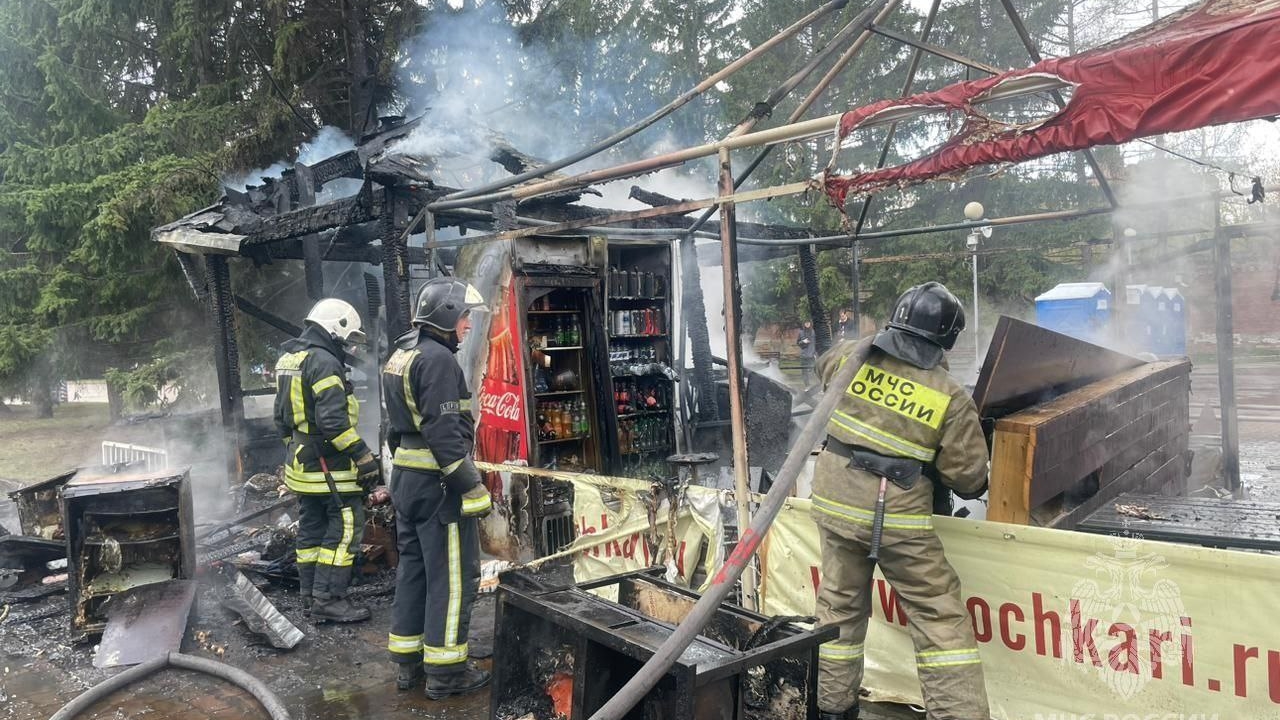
{"points": [[306, 581], [463, 681], [331, 604], [408, 674]]}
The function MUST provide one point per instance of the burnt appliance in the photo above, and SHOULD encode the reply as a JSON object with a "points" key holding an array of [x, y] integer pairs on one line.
{"points": [[569, 649], [124, 530]]}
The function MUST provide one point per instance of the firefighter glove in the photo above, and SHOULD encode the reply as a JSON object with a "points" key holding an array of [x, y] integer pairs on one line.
{"points": [[368, 471], [476, 502]]}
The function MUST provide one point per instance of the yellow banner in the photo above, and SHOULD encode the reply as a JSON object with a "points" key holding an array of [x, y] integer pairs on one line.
{"points": [[1074, 626]]}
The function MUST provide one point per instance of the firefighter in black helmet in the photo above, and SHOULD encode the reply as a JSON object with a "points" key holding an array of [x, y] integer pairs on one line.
{"points": [[316, 413], [437, 493], [901, 414]]}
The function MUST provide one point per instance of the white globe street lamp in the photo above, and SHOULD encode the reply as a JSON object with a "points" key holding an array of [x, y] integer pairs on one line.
{"points": [[974, 212]]}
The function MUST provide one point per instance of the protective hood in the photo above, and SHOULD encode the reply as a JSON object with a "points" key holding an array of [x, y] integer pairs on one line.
{"points": [[909, 348]]}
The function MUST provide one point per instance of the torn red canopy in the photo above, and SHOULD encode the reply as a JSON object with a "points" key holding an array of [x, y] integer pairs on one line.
{"points": [[1209, 64]]}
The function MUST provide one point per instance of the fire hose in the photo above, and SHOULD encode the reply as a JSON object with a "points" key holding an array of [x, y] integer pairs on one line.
{"points": [[235, 676], [648, 676]]}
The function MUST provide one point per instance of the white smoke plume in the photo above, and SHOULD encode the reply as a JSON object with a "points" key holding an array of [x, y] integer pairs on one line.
{"points": [[329, 141]]}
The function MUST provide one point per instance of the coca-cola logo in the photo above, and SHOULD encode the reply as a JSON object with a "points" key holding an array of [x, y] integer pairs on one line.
{"points": [[505, 406]]}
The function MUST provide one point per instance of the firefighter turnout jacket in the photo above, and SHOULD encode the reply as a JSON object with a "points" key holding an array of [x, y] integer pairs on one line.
{"points": [[316, 413], [431, 425], [898, 410]]}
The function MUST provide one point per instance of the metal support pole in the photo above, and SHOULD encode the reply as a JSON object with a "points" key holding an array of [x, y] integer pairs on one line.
{"points": [[977, 337], [1226, 355], [857, 288], [733, 349]]}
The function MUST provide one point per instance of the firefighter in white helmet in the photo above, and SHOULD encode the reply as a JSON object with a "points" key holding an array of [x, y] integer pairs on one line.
{"points": [[327, 464], [437, 492]]}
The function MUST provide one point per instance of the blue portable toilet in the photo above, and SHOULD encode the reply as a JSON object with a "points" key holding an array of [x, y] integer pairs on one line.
{"points": [[1141, 331], [1081, 310], [1174, 337]]}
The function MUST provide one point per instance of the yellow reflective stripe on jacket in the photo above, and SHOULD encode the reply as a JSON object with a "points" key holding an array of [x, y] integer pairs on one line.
{"points": [[333, 381], [947, 658], [464, 405], [346, 439], [353, 410], [454, 615], [900, 395], [888, 441], [302, 482], [862, 516], [475, 506], [399, 364], [415, 459], [298, 402], [447, 655], [840, 652], [404, 644], [451, 467], [307, 555]]}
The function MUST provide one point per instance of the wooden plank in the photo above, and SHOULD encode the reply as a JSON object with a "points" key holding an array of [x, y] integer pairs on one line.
{"points": [[1072, 408], [1128, 457], [1059, 440], [1111, 491], [1049, 483], [1007, 495]]}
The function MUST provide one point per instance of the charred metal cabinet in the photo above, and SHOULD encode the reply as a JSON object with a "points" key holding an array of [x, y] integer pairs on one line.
{"points": [[124, 530], [568, 650]]}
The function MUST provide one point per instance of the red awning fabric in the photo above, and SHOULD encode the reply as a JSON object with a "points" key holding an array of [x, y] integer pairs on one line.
{"points": [[1213, 63]]}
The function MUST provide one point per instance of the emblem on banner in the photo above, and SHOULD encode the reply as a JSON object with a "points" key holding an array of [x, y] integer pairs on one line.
{"points": [[1130, 625]]}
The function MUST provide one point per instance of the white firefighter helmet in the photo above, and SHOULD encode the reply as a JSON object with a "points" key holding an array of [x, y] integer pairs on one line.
{"points": [[339, 319]]}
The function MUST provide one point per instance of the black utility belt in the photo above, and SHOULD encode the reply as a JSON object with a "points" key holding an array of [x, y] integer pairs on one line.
{"points": [[900, 471]]}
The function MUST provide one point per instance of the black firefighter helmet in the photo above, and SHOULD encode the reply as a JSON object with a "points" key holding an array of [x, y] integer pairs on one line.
{"points": [[926, 321], [442, 301]]}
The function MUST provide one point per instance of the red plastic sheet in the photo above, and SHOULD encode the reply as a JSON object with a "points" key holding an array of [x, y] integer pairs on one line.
{"points": [[1213, 63]]}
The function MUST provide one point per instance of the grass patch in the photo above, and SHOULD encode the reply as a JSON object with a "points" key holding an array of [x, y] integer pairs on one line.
{"points": [[37, 448]]}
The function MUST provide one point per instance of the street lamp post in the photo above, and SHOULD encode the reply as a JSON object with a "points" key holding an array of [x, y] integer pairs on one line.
{"points": [[974, 212]]}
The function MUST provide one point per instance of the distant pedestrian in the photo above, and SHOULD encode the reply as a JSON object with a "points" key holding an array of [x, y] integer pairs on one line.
{"points": [[845, 329], [808, 351]]}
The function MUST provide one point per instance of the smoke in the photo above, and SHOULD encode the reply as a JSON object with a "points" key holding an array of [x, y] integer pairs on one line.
{"points": [[329, 141]]}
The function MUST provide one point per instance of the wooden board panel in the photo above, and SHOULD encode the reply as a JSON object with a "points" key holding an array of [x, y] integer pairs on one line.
{"points": [[1060, 440], [1082, 406], [1007, 496], [1025, 363]]}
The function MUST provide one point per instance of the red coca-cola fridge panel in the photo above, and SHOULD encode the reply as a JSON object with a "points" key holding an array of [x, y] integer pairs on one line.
{"points": [[503, 420]]}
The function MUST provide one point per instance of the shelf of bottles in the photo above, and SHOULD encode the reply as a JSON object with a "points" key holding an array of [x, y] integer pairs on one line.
{"points": [[637, 325]]}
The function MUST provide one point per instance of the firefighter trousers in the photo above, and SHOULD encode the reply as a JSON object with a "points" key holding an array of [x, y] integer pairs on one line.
{"points": [[437, 578], [328, 540], [929, 592]]}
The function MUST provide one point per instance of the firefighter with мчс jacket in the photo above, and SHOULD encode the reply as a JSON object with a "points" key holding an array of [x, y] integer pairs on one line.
{"points": [[437, 493], [316, 413], [901, 413]]}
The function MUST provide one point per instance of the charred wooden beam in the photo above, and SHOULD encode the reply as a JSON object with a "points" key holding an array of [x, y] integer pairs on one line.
{"points": [[651, 198], [247, 307]]}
